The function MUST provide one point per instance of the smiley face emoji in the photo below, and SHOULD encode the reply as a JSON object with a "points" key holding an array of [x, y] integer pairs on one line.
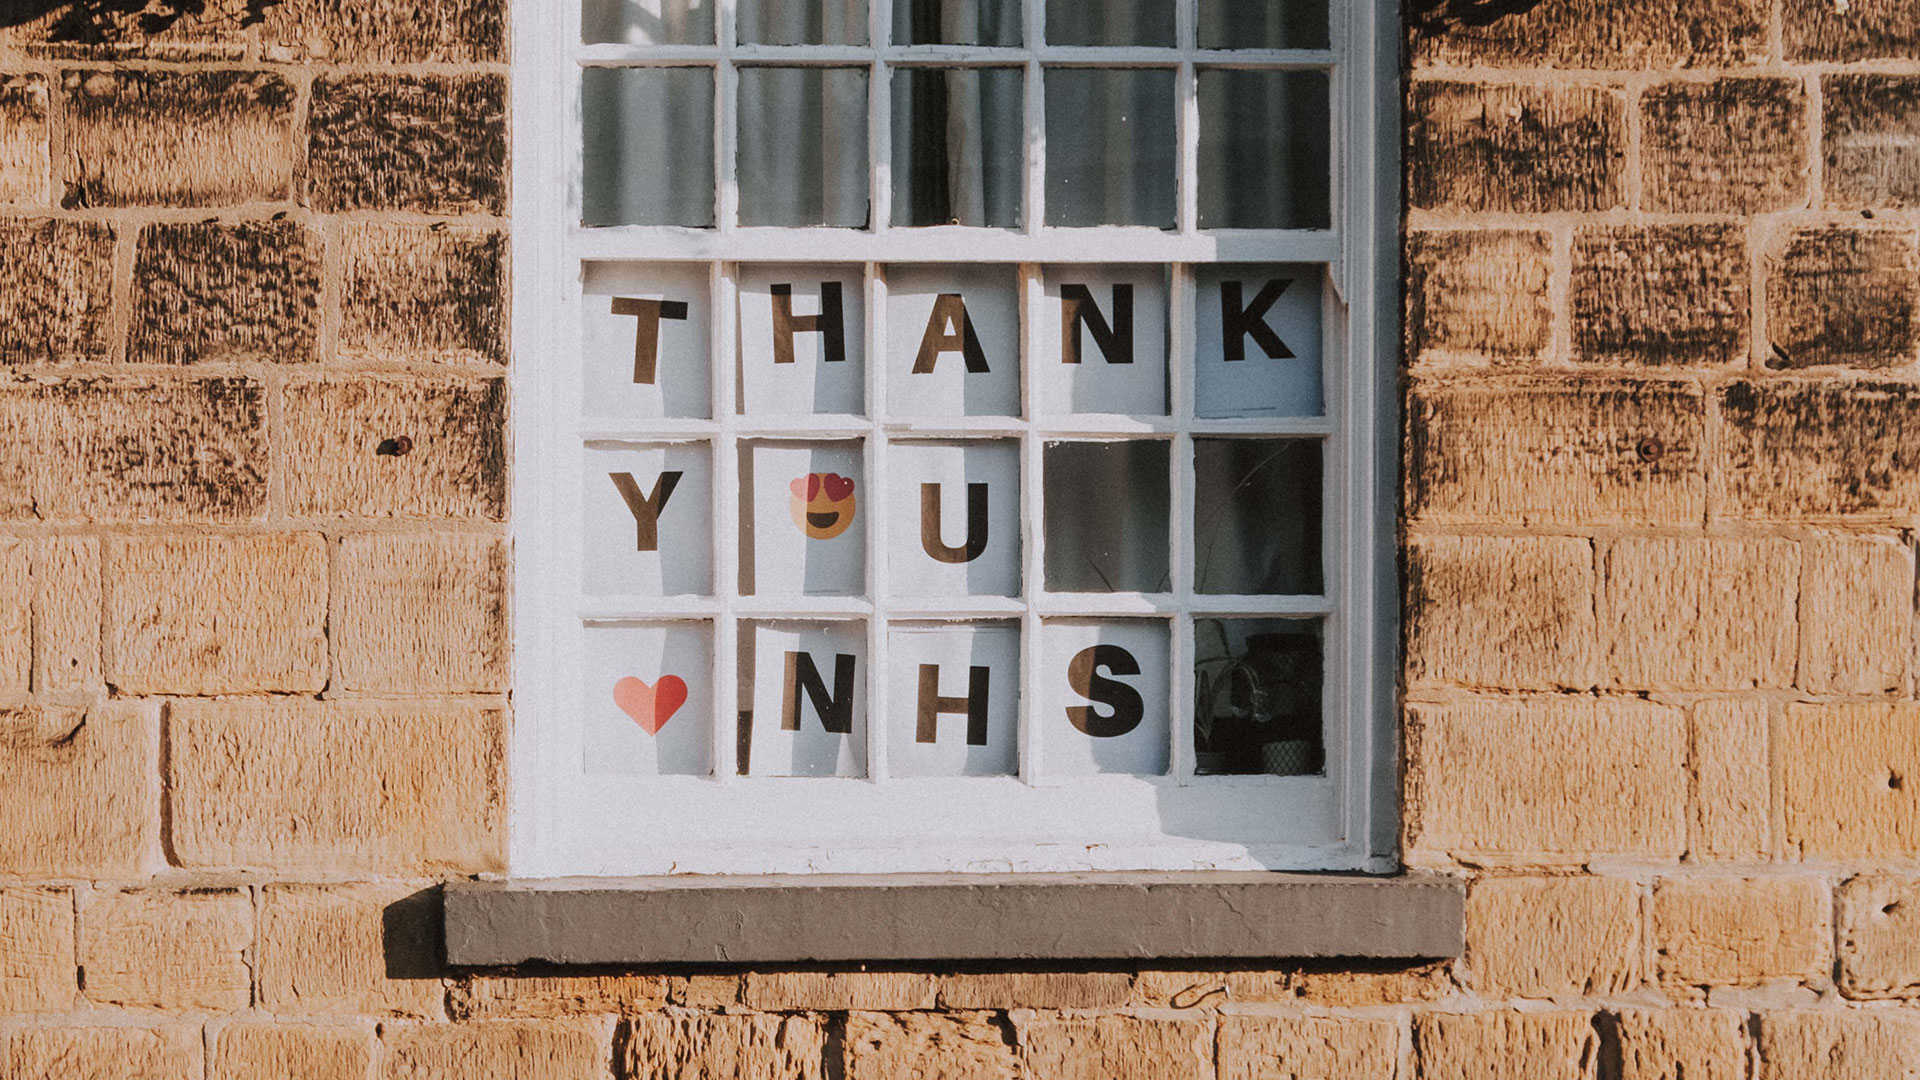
{"points": [[822, 504]]}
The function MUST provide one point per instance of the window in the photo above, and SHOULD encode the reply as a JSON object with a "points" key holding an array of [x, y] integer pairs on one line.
{"points": [[949, 438]]}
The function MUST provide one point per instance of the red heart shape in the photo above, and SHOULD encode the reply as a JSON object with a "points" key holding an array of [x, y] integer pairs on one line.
{"points": [[650, 706], [838, 487], [801, 488]]}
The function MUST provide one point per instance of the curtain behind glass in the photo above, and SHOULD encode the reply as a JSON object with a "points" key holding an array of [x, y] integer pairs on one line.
{"points": [[803, 146], [956, 22], [957, 146]]}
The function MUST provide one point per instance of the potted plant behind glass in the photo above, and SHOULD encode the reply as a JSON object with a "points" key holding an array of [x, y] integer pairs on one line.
{"points": [[1286, 668]]}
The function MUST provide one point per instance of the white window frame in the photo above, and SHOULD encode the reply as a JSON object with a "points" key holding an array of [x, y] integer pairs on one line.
{"points": [[1343, 820]]}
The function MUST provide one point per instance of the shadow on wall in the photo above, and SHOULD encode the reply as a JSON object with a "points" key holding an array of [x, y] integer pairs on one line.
{"points": [[411, 936], [94, 22], [1435, 17]]}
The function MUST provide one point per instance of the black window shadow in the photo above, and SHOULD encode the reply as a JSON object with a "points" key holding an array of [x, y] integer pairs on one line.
{"points": [[411, 938], [100, 22]]}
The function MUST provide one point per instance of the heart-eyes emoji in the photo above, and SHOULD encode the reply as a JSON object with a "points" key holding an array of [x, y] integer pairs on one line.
{"points": [[822, 504], [650, 706]]}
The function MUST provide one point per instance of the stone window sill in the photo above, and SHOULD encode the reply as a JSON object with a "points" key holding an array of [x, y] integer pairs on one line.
{"points": [[1037, 917]]}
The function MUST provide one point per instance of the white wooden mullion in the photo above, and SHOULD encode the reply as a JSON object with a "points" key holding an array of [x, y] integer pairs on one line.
{"points": [[726, 521], [952, 243], [727, 125], [878, 585], [1134, 56], [1032, 523], [1182, 293], [1034, 168]]}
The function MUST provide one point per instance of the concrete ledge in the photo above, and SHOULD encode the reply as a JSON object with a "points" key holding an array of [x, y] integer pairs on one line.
{"points": [[1114, 916]]}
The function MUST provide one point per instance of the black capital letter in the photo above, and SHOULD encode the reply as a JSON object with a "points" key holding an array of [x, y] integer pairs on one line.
{"points": [[1086, 681], [1237, 323], [949, 310], [646, 336], [932, 705], [1077, 307], [646, 508], [830, 323], [976, 524], [835, 709]]}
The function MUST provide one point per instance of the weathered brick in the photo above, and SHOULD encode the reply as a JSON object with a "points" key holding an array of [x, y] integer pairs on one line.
{"points": [[1857, 30], [56, 286], [1732, 146], [349, 949], [1034, 990], [217, 614], [100, 1053], [1879, 936], [16, 617], [345, 431], [1567, 450], [1513, 612], [759, 1047], [66, 613], [714, 993], [1856, 619], [433, 293], [1660, 295], [490, 997], [436, 144], [1669, 1044], [1512, 777], [1849, 780], [1117, 1048], [838, 991], [1844, 296], [26, 155], [424, 31], [1792, 449], [1299, 1047], [255, 1051], [132, 30], [1612, 34], [1516, 149], [161, 949], [1700, 614], [1871, 139], [1478, 295], [1553, 937], [1727, 815], [195, 138], [246, 290], [1347, 984], [78, 790], [36, 963], [506, 1049], [303, 785], [1508, 1045], [1851, 1044], [422, 613], [929, 1046], [1741, 932]]}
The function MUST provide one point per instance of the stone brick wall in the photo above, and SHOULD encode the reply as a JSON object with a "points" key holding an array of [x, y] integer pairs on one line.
{"points": [[1663, 464]]}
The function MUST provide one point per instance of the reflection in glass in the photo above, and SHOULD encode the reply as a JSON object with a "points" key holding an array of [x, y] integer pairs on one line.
{"points": [[817, 22], [1110, 147], [956, 146], [1110, 22], [803, 146], [1256, 522], [642, 166], [1106, 516], [1265, 150], [956, 22], [647, 22], [1263, 24], [1256, 688]]}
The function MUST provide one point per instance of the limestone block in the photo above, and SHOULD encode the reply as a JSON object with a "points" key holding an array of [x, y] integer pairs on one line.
{"points": [[1700, 614], [1859, 30], [1481, 147], [1034, 990], [366, 949], [930, 1046], [300, 785], [217, 614], [228, 291], [1849, 781], [1660, 295], [712, 992], [16, 617], [1741, 932], [1117, 1048], [161, 138], [255, 1051], [1792, 449], [1307, 1048], [422, 31], [26, 156], [1478, 295], [1839, 1045], [489, 997], [838, 991], [1727, 817], [436, 144], [1510, 612], [1732, 146], [78, 789], [1617, 34], [1671, 1044], [347, 430], [66, 613], [166, 949], [1856, 619], [1529, 778], [1879, 923], [56, 290], [1553, 937], [424, 293], [1844, 296], [497, 1050], [100, 1053], [37, 966], [1566, 451], [758, 1047], [1507, 1045], [1871, 139], [130, 30], [1346, 985], [422, 613]]}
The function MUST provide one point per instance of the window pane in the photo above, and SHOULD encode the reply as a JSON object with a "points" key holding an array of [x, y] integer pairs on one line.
{"points": [[803, 146], [1256, 521], [956, 22], [644, 164], [1104, 709], [1110, 147], [648, 703], [1106, 516], [816, 22], [802, 525], [1110, 22], [1265, 150], [957, 146], [1258, 349], [1256, 689], [1263, 24], [647, 22]]}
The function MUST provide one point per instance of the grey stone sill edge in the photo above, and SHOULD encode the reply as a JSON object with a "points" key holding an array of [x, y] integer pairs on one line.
{"points": [[957, 917]]}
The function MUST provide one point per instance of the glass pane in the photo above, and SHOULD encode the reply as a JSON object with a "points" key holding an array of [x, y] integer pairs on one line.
{"points": [[648, 707], [956, 22], [645, 165], [803, 689], [648, 520], [1102, 342], [956, 146], [1105, 689], [1258, 347], [802, 532], [1256, 691], [1110, 147], [1263, 24], [1256, 522], [1106, 516], [1110, 22], [816, 22], [1265, 150], [953, 340], [803, 339], [956, 515], [803, 146], [645, 339], [647, 22], [954, 699]]}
